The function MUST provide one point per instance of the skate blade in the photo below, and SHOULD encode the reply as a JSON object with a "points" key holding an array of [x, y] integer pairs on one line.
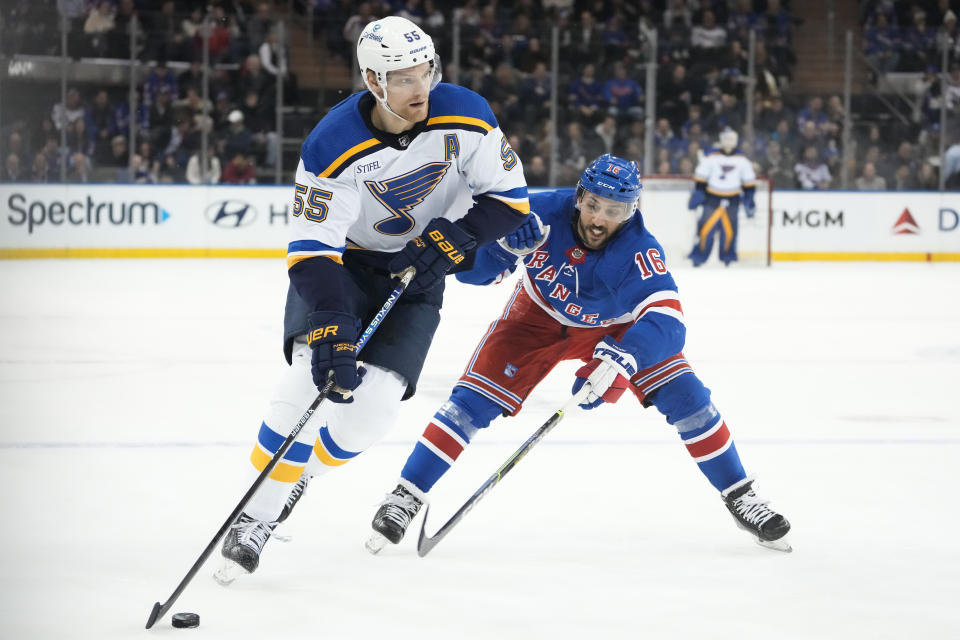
{"points": [[229, 572], [375, 543], [777, 545]]}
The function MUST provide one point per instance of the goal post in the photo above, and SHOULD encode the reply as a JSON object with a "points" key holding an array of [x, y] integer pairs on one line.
{"points": [[663, 203]]}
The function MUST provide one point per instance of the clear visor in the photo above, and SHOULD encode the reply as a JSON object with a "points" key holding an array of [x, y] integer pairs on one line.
{"points": [[594, 205], [424, 76]]}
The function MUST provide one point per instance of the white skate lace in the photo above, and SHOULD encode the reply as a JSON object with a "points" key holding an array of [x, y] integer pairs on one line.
{"points": [[753, 509], [297, 490], [254, 533], [400, 509]]}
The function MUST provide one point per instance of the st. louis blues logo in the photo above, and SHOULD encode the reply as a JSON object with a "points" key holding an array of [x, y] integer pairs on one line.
{"points": [[510, 370], [401, 194]]}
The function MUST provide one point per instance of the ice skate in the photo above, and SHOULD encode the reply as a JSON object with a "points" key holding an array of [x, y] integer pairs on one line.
{"points": [[755, 516], [295, 494], [242, 547], [393, 517]]}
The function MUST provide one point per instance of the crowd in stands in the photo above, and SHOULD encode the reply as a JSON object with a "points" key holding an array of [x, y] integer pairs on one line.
{"points": [[171, 114], [504, 54]]}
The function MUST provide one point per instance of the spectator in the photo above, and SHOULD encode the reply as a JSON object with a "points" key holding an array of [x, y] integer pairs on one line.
{"points": [[40, 170], [536, 172], [79, 139], [812, 173], [536, 94], [904, 179], [259, 25], [869, 180], [927, 178], [919, 45], [253, 78], [607, 132], [239, 170], [674, 96], [67, 115], [161, 112], [270, 52], [778, 166], [194, 175], [813, 112], [586, 95], [12, 170], [585, 42], [161, 78], [708, 37], [100, 21], [238, 139], [882, 44], [622, 95], [79, 168], [118, 156]]}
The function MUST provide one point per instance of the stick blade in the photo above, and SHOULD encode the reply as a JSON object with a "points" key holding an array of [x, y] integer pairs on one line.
{"points": [[425, 543], [155, 614]]}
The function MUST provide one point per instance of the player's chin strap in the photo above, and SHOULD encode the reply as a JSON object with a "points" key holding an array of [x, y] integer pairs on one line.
{"points": [[426, 543]]}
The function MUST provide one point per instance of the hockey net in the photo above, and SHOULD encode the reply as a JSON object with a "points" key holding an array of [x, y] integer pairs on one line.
{"points": [[663, 203]]}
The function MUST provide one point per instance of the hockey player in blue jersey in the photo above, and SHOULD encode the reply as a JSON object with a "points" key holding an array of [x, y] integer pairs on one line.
{"points": [[595, 288], [410, 173], [723, 178]]}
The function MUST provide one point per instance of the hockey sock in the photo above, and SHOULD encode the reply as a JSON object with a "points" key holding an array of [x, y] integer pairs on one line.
{"points": [[269, 499], [329, 453], [709, 442], [447, 434], [440, 445]]}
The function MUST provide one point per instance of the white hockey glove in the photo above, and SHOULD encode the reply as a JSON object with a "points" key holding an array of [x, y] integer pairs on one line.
{"points": [[607, 374], [527, 237]]}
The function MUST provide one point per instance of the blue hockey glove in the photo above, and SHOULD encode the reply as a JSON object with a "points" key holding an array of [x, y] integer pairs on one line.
{"points": [[433, 253], [333, 336], [697, 198], [527, 237], [749, 207], [607, 374]]}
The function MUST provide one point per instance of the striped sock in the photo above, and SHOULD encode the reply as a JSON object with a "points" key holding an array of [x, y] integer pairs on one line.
{"points": [[713, 450], [439, 446]]}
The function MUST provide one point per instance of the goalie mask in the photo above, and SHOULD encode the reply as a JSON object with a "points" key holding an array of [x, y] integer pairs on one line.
{"points": [[729, 140], [392, 44]]}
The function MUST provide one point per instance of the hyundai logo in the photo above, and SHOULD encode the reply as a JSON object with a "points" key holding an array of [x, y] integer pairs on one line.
{"points": [[231, 213]]}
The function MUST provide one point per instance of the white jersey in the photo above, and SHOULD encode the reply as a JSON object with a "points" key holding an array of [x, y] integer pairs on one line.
{"points": [[355, 191], [725, 175]]}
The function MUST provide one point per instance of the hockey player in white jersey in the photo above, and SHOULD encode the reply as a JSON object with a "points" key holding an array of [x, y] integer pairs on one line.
{"points": [[411, 173], [723, 177]]}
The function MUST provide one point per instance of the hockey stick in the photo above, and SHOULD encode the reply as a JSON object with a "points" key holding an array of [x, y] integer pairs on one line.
{"points": [[160, 609], [426, 543]]}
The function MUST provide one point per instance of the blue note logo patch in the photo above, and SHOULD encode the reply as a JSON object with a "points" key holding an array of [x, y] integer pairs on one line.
{"points": [[401, 194], [510, 370]]}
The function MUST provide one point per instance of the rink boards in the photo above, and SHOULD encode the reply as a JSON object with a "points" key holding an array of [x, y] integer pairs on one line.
{"points": [[122, 221]]}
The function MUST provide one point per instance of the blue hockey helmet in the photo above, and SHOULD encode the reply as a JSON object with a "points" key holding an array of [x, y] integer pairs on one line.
{"points": [[613, 178]]}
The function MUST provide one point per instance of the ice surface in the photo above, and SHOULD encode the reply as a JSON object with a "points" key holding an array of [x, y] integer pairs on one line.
{"points": [[131, 391]]}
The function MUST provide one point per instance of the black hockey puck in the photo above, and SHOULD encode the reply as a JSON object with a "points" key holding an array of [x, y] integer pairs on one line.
{"points": [[185, 620]]}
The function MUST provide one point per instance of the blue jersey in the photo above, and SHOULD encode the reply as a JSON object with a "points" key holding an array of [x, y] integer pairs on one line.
{"points": [[625, 282]]}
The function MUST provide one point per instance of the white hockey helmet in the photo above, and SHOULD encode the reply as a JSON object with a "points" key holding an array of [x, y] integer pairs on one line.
{"points": [[394, 43], [729, 140]]}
